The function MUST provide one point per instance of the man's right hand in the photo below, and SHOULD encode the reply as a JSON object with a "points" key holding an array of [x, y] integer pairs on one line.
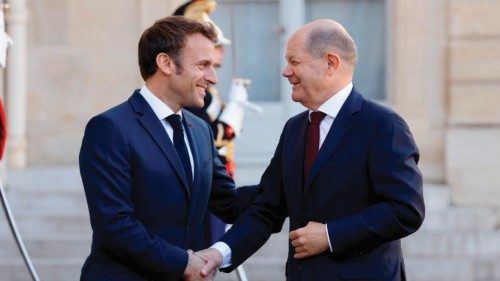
{"points": [[193, 269], [213, 259]]}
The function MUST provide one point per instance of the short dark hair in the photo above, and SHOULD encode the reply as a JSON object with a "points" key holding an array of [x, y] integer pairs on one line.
{"points": [[323, 40], [168, 35]]}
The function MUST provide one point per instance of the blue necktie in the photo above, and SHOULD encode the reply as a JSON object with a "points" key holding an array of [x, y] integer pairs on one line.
{"points": [[180, 145]]}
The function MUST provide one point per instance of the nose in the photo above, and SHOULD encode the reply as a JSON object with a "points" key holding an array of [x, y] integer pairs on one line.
{"points": [[211, 76], [287, 71]]}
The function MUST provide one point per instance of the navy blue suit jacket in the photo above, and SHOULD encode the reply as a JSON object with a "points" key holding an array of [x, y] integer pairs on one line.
{"points": [[142, 213], [364, 184]]}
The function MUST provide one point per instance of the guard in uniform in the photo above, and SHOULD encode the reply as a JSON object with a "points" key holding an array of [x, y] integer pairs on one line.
{"points": [[225, 118]]}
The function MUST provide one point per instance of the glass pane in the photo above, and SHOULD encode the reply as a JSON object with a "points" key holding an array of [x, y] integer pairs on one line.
{"points": [[365, 21], [256, 44]]}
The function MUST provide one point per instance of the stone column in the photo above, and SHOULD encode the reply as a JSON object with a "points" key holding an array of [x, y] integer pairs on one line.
{"points": [[16, 85], [416, 75], [292, 16], [473, 80]]}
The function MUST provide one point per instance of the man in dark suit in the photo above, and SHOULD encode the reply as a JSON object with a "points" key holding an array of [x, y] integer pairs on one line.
{"points": [[344, 171], [150, 169]]}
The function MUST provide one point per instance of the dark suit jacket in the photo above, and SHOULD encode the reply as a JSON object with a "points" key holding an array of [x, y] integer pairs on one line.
{"points": [[364, 184], [143, 214]]}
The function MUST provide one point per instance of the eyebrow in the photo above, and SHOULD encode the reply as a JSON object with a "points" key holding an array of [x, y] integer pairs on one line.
{"points": [[205, 62]]}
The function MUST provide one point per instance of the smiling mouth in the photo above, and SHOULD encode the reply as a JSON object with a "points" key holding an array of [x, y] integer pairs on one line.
{"points": [[203, 91]]}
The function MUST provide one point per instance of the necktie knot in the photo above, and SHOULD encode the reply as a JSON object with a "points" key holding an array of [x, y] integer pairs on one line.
{"points": [[175, 122], [316, 117]]}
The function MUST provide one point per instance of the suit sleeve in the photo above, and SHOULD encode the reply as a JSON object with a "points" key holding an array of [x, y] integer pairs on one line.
{"points": [[396, 183], [263, 217], [226, 201], [106, 174]]}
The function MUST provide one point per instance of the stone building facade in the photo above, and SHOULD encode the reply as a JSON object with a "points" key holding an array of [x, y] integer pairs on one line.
{"points": [[443, 78]]}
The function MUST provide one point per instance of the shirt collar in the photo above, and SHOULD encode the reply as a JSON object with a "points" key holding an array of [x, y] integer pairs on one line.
{"points": [[160, 109], [332, 106]]}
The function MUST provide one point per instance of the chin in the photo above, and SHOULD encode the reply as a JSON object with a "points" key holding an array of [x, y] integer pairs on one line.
{"points": [[199, 104], [296, 97]]}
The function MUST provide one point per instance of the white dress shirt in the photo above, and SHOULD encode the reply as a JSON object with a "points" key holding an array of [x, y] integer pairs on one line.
{"points": [[331, 108], [162, 111]]}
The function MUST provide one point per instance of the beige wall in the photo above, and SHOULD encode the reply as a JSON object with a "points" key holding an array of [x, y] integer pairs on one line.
{"points": [[82, 59], [416, 77], [473, 135], [444, 79]]}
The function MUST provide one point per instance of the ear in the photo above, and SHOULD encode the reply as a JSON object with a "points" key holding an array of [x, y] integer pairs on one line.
{"points": [[165, 63], [333, 61]]}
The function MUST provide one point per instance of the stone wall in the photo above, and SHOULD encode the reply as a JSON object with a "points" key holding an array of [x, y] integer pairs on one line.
{"points": [[444, 79], [473, 89], [416, 78], [82, 59]]}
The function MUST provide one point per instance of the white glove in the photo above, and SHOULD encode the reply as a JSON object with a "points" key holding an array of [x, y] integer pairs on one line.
{"points": [[232, 115], [238, 92], [215, 106], [234, 112]]}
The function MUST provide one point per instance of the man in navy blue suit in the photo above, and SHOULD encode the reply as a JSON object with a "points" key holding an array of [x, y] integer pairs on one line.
{"points": [[150, 168], [344, 172]]}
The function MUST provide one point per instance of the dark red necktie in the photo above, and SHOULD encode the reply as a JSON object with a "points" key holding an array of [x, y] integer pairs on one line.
{"points": [[312, 141]]}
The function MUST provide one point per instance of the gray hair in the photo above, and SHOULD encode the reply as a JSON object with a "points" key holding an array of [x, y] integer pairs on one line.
{"points": [[322, 40]]}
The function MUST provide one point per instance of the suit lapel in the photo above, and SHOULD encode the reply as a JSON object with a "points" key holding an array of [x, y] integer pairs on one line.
{"points": [[296, 178], [341, 126], [156, 130]]}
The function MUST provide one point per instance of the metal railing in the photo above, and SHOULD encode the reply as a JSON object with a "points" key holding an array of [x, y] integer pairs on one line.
{"points": [[17, 235]]}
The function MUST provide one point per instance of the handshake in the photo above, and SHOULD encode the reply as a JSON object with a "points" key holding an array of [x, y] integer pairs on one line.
{"points": [[202, 265]]}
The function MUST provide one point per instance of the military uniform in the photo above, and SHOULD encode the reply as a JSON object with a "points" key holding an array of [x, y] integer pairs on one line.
{"points": [[225, 120]]}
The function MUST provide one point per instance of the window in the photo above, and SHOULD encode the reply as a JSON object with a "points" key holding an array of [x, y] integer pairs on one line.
{"points": [[257, 39], [365, 21]]}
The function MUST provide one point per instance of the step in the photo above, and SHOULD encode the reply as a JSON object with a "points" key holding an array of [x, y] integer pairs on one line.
{"points": [[485, 244], [452, 269], [248, 175], [48, 247], [444, 269], [456, 219], [47, 269], [42, 203], [417, 269], [436, 196], [69, 269], [32, 226], [51, 178]]}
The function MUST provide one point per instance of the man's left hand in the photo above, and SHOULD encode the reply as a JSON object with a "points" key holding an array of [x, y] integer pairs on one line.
{"points": [[310, 240]]}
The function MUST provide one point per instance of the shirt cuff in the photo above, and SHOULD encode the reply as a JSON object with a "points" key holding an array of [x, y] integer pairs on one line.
{"points": [[225, 251], [327, 236]]}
